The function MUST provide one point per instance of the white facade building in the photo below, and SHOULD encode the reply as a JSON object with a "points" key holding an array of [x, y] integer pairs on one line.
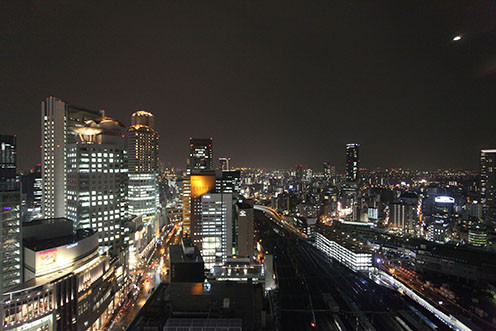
{"points": [[355, 259], [57, 120], [216, 228], [97, 180]]}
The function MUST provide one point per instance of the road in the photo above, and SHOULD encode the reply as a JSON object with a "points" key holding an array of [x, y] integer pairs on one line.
{"points": [[153, 275], [280, 219]]}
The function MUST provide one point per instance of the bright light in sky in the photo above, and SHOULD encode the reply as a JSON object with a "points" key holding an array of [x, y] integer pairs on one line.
{"points": [[456, 38]]}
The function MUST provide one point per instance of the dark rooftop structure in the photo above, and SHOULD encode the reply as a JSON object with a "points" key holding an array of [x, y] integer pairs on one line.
{"points": [[46, 233], [204, 306], [186, 262]]}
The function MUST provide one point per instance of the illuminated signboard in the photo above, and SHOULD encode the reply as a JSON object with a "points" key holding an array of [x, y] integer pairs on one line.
{"points": [[48, 257], [444, 199]]}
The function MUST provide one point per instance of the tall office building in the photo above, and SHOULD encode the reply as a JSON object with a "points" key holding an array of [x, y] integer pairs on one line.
{"points": [[194, 187], [31, 194], [216, 228], [403, 216], [229, 182], [57, 120], [224, 163], [352, 162], [244, 232], [10, 220], [488, 183], [200, 155], [329, 172], [144, 195], [97, 180]]}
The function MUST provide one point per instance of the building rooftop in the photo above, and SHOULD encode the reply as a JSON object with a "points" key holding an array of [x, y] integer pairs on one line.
{"points": [[347, 240], [185, 252], [187, 303], [43, 244]]}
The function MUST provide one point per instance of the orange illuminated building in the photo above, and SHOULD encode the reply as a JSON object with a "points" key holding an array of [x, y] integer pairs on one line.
{"points": [[193, 188], [201, 185]]}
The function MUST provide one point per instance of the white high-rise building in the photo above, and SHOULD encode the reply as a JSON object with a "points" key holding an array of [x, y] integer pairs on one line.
{"points": [[57, 121], [144, 198], [216, 228], [97, 180]]}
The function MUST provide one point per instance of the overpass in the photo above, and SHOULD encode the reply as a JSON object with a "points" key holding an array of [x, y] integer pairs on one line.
{"points": [[279, 219]]}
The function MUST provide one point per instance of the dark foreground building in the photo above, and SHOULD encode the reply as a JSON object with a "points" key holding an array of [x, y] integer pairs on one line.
{"points": [[205, 306], [186, 263]]}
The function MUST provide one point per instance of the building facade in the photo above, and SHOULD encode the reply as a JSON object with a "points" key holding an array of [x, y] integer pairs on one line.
{"points": [[193, 188], [58, 119], [488, 183], [200, 155], [216, 228], [10, 218], [244, 231], [97, 180], [31, 193], [353, 254], [403, 216], [68, 285], [224, 163], [352, 162], [143, 146]]}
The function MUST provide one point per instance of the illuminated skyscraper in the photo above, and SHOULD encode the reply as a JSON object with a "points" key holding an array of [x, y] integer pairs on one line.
{"points": [[224, 163], [488, 183], [352, 162], [329, 172], [193, 188], [57, 121], [229, 182], [200, 155], [216, 228], [97, 180], [10, 218], [144, 196]]}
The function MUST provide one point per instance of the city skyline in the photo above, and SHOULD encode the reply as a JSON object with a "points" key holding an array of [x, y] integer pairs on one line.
{"points": [[274, 85], [248, 165]]}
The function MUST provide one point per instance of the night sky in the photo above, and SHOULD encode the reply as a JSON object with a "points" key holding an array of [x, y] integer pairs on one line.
{"points": [[276, 83]]}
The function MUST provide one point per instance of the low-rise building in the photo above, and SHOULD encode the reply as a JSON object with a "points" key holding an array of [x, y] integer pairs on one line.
{"points": [[352, 253], [67, 284]]}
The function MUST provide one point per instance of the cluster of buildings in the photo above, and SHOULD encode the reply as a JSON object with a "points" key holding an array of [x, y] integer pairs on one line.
{"points": [[442, 206], [216, 279], [438, 226], [77, 228], [216, 216], [78, 225]]}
